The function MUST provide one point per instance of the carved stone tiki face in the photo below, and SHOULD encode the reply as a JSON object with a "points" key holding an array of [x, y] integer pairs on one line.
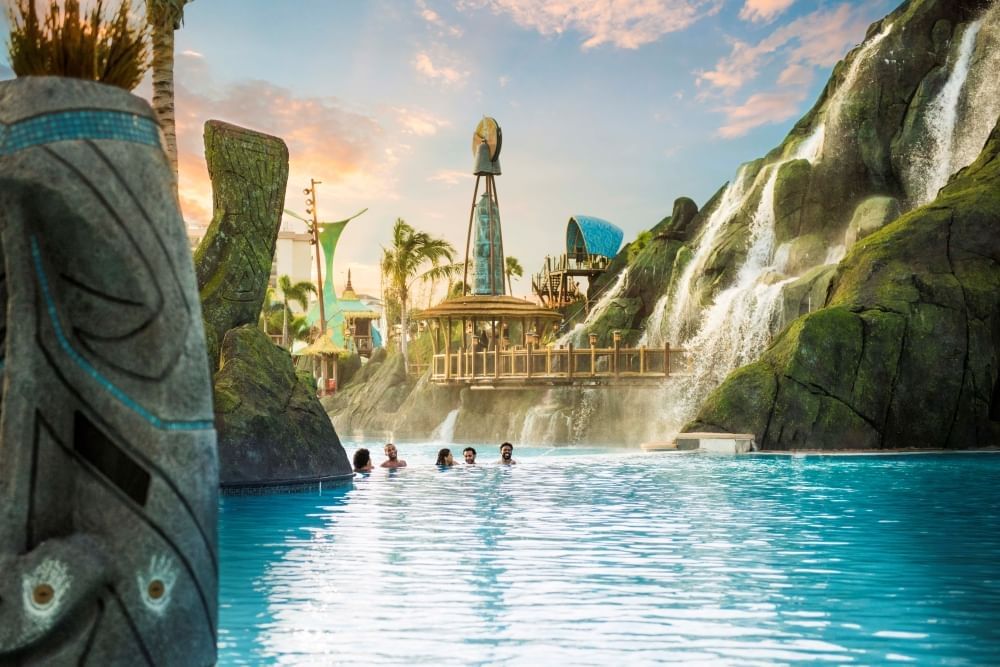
{"points": [[108, 471]]}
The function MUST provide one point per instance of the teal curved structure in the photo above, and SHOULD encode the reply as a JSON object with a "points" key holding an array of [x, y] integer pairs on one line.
{"points": [[587, 235]]}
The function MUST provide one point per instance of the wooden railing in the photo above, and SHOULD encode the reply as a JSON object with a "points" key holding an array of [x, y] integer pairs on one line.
{"points": [[563, 365]]}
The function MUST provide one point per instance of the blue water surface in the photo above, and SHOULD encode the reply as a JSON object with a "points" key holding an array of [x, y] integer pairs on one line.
{"points": [[615, 558]]}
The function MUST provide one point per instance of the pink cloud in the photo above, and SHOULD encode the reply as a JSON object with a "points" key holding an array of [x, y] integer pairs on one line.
{"points": [[344, 149], [795, 75], [626, 24], [759, 109], [446, 74], [762, 11], [817, 39]]}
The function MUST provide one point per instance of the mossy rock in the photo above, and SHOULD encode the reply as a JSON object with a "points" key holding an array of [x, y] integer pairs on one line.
{"points": [[270, 424], [807, 293], [871, 215], [791, 187]]}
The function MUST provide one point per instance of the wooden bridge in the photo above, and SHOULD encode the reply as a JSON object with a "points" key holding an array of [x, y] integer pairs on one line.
{"points": [[520, 366]]}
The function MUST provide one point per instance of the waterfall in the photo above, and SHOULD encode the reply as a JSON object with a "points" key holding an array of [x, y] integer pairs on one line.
{"points": [[739, 323], [935, 159], [836, 104], [445, 431], [980, 105], [610, 293], [732, 199], [546, 423]]}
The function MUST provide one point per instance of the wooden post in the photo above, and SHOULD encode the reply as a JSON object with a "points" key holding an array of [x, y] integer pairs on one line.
{"points": [[447, 352], [642, 360], [616, 338], [496, 357], [548, 361], [666, 359], [527, 360], [569, 359]]}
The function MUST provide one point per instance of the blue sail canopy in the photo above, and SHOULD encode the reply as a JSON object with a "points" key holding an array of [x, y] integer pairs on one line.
{"points": [[592, 236]]}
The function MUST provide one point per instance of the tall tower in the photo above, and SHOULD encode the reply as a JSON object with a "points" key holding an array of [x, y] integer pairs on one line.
{"points": [[487, 260]]}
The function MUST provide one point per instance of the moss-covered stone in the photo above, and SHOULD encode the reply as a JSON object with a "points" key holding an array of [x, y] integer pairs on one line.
{"points": [[270, 424], [870, 216], [249, 172]]}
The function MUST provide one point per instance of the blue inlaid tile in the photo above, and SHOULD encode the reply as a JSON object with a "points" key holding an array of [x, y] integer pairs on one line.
{"points": [[78, 125]]}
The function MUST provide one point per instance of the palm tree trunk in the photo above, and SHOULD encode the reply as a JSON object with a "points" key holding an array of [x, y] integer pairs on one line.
{"points": [[163, 89], [403, 326], [284, 328]]}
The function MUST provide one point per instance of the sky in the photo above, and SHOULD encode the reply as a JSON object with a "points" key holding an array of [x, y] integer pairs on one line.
{"points": [[610, 108]]}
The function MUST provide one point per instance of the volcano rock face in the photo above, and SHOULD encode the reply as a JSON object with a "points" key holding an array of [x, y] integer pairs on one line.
{"points": [[907, 351]]}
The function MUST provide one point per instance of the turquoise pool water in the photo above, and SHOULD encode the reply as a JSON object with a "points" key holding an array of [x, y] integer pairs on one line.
{"points": [[591, 557]]}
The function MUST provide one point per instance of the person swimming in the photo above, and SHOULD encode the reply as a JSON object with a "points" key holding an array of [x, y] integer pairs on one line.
{"points": [[445, 458], [392, 459], [506, 454], [362, 460], [469, 454]]}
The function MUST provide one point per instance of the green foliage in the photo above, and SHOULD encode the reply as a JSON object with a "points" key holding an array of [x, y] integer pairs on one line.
{"points": [[637, 246], [512, 267], [68, 43]]}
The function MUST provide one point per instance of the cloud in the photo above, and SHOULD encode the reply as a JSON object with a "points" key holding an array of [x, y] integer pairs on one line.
{"points": [[446, 74], [503, 80], [795, 75], [434, 19], [626, 24], [449, 177], [342, 148], [191, 54], [818, 39], [420, 123], [759, 109], [762, 11]]}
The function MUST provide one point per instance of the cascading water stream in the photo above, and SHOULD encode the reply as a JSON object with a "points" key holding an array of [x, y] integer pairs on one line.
{"points": [[445, 431], [935, 159], [980, 105], [610, 293]]}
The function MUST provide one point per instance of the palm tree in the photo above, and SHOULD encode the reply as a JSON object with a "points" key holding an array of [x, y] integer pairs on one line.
{"points": [[402, 261], [512, 268], [298, 292], [164, 17]]}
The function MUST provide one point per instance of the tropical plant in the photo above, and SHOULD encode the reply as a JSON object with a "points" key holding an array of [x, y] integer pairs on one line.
{"points": [[512, 267], [458, 289], [71, 44], [402, 262], [640, 243], [299, 293], [164, 18]]}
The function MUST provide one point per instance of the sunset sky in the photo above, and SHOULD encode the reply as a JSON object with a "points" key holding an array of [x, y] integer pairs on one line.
{"points": [[610, 108]]}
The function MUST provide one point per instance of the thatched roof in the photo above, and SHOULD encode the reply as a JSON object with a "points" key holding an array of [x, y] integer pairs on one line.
{"points": [[322, 346], [487, 308]]}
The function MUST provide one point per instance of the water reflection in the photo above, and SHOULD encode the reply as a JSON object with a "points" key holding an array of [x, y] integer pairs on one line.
{"points": [[612, 558]]}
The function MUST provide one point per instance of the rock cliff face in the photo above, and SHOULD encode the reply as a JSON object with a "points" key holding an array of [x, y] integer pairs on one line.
{"points": [[906, 352], [274, 427]]}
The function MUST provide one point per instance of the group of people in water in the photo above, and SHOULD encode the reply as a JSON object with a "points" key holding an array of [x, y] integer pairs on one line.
{"points": [[363, 457]]}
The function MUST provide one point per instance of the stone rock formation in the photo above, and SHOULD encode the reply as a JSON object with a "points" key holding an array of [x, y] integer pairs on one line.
{"points": [[906, 352], [274, 427], [249, 172], [271, 426], [108, 472]]}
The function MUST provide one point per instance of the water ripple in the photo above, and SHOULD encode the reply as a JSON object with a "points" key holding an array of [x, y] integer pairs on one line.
{"points": [[614, 558]]}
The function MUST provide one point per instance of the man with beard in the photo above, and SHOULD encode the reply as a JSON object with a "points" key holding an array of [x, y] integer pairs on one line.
{"points": [[506, 452], [469, 454], [392, 457]]}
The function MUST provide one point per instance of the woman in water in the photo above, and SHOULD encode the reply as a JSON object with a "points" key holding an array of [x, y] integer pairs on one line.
{"points": [[362, 460], [444, 458]]}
